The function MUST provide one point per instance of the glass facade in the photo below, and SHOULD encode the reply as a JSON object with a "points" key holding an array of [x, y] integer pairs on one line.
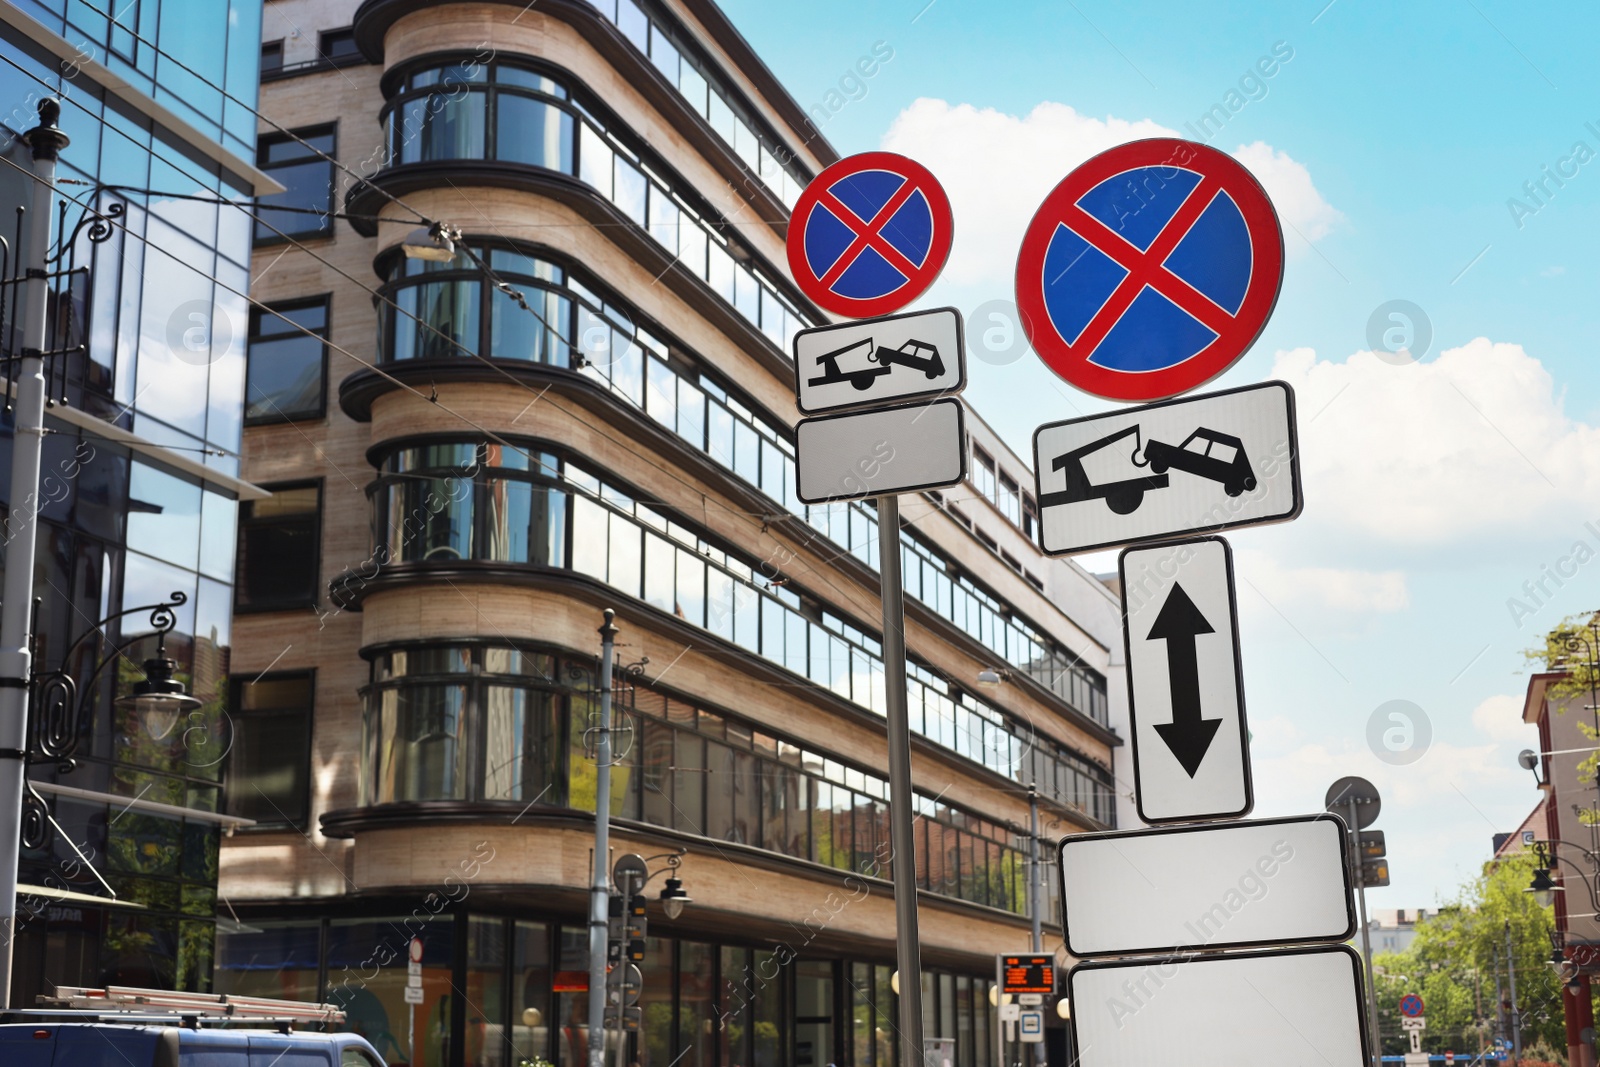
{"points": [[164, 358], [518, 112], [488, 723], [189, 55], [445, 310], [464, 501], [513, 989], [165, 340]]}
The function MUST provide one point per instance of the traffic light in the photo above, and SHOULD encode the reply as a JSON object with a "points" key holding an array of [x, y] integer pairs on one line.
{"points": [[1370, 852]]}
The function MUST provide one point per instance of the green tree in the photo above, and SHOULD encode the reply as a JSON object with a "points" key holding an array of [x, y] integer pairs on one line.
{"points": [[1454, 960]]}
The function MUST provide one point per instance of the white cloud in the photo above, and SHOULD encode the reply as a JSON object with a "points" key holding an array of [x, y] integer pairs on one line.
{"points": [[1473, 445], [1325, 588], [1308, 216], [1499, 718], [997, 168]]}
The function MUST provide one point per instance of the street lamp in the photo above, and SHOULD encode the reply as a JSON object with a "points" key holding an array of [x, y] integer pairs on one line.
{"points": [[673, 898], [59, 707], [1544, 890], [992, 678], [435, 243]]}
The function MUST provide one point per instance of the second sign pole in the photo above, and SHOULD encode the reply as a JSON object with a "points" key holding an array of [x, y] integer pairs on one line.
{"points": [[908, 949]]}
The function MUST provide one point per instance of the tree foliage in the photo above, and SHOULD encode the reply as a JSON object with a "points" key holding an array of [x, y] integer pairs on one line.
{"points": [[1456, 957]]}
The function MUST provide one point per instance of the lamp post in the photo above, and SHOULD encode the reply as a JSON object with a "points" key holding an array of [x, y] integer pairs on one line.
{"points": [[1516, 1015], [600, 889]]}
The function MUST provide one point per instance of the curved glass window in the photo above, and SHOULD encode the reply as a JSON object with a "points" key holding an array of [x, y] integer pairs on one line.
{"points": [[465, 314], [492, 723], [702, 87], [489, 503], [505, 111]]}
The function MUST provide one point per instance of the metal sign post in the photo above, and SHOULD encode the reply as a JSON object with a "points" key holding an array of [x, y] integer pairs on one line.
{"points": [[908, 949], [1356, 800], [867, 236]]}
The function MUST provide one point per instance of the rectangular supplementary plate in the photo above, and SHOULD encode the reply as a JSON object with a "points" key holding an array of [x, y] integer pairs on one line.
{"points": [[1206, 888], [1297, 1006], [880, 361], [1193, 465], [872, 453], [1180, 628]]}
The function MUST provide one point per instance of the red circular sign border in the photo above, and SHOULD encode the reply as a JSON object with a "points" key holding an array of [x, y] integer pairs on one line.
{"points": [[938, 248], [1261, 295]]}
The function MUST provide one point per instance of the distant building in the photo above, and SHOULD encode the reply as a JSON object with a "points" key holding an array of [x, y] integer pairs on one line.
{"points": [[1393, 929]]}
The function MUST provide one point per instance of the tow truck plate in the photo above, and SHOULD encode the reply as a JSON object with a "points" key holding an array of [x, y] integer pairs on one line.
{"points": [[865, 364], [1203, 463]]}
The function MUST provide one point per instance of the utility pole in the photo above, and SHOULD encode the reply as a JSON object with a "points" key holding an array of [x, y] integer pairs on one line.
{"points": [[16, 602], [1516, 1016], [1499, 1002], [600, 890], [1035, 896]]}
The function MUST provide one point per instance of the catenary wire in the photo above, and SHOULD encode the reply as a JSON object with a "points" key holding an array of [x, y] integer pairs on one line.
{"points": [[502, 286]]}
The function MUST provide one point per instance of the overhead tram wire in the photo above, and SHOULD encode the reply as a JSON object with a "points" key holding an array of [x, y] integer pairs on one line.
{"points": [[749, 517], [494, 278], [834, 555], [319, 153], [502, 286], [309, 333], [253, 111]]}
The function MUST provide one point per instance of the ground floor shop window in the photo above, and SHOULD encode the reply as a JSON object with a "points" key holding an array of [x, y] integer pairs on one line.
{"points": [[506, 991]]}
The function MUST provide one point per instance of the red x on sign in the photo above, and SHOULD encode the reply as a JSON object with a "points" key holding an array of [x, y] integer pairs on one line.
{"points": [[1149, 270], [869, 234]]}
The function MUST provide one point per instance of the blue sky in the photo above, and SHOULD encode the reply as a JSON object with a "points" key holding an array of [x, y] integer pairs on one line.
{"points": [[1393, 142]]}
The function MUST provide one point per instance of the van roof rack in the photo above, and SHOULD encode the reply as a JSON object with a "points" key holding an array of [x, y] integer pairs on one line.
{"points": [[112, 1000]]}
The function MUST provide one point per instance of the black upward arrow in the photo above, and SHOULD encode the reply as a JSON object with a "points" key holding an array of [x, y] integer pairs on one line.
{"points": [[1187, 735]]}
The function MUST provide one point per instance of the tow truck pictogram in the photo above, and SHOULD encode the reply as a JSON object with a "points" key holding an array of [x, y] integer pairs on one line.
{"points": [[918, 355], [1206, 453], [1123, 496]]}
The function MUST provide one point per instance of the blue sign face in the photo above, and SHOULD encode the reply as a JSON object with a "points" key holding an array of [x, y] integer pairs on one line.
{"points": [[869, 234], [1149, 270], [1411, 1006]]}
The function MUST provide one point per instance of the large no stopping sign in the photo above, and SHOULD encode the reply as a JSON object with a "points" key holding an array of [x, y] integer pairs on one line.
{"points": [[869, 234], [1150, 269]]}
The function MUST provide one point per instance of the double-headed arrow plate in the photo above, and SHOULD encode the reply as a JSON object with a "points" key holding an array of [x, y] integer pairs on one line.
{"points": [[1191, 756]]}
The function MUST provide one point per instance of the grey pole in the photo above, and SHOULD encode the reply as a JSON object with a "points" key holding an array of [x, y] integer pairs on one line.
{"points": [[1499, 1016], [17, 600], [908, 950], [600, 890], [1035, 889], [1366, 935], [1516, 1016], [999, 1027]]}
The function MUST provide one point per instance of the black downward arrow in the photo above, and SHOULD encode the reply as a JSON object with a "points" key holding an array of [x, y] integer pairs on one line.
{"points": [[1187, 735]]}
